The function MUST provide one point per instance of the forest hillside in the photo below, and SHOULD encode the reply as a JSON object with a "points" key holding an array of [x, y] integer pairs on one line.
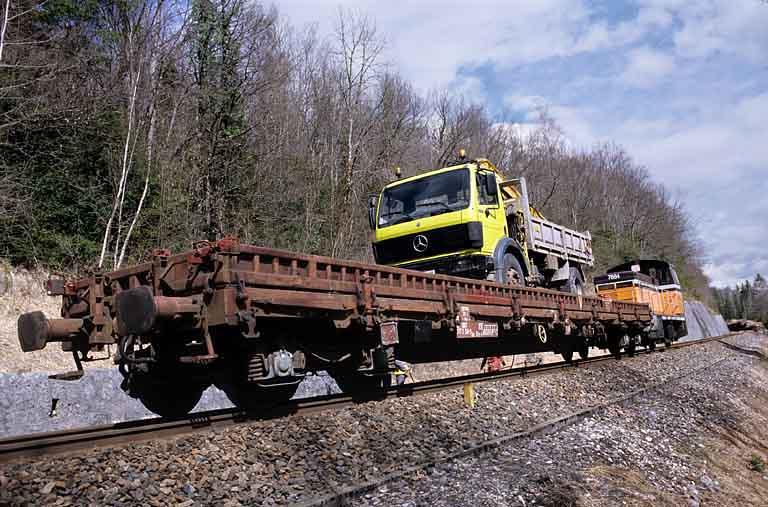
{"points": [[127, 126]]}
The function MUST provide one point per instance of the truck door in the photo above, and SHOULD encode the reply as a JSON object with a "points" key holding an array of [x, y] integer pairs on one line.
{"points": [[490, 211]]}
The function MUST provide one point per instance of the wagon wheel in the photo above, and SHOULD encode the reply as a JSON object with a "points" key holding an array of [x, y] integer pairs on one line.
{"points": [[614, 348], [669, 335], [631, 348], [252, 396], [170, 398], [584, 351], [358, 384]]}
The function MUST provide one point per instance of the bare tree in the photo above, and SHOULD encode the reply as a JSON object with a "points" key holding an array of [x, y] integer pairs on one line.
{"points": [[4, 26]]}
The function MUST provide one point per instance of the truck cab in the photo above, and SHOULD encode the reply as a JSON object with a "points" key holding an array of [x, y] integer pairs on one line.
{"points": [[466, 220]]}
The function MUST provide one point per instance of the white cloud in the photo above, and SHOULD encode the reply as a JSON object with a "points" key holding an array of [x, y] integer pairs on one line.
{"points": [[647, 67], [470, 87], [717, 141], [577, 127], [430, 40], [728, 274], [519, 130], [716, 158], [736, 27], [529, 103]]}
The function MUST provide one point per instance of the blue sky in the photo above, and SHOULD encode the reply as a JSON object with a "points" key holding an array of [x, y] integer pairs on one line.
{"points": [[683, 85]]}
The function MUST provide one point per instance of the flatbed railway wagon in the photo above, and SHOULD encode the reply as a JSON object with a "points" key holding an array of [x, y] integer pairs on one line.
{"points": [[254, 321]]}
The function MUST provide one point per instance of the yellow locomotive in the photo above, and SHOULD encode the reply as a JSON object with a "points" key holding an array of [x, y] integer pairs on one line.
{"points": [[654, 282]]}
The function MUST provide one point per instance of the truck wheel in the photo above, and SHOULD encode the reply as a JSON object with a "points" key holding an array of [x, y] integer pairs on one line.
{"points": [[575, 283], [511, 271]]}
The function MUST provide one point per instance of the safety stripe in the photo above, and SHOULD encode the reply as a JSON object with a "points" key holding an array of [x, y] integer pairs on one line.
{"points": [[657, 288]]}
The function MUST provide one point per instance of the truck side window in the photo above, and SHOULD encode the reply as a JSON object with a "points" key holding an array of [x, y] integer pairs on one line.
{"points": [[484, 181]]}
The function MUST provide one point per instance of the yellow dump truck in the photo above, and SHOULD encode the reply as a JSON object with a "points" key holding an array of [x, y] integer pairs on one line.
{"points": [[468, 220], [649, 281]]}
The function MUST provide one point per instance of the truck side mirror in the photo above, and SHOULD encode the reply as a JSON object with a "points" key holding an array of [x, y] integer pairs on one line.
{"points": [[490, 188], [373, 201], [490, 184]]}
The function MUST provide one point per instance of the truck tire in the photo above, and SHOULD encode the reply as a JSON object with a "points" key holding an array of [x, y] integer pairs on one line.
{"points": [[512, 271], [575, 283]]}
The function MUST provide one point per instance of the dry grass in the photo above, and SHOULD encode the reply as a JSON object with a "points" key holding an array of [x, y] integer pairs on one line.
{"points": [[731, 453], [627, 487], [27, 294]]}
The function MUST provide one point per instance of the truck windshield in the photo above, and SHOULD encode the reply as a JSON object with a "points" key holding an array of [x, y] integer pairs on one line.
{"points": [[428, 196]]}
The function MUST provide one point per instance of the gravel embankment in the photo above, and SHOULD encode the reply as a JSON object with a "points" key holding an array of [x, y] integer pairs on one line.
{"points": [[650, 451], [301, 457], [25, 401]]}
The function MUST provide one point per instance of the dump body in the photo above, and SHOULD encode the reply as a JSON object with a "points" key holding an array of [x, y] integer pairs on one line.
{"points": [[245, 316], [546, 237]]}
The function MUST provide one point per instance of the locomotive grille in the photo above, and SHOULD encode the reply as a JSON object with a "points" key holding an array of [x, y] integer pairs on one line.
{"points": [[255, 368]]}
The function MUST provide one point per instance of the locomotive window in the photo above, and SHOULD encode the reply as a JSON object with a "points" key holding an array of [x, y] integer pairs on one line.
{"points": [[675, 279]]}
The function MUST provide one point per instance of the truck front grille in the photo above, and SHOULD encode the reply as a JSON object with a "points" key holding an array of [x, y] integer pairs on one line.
{"points": [[445, 240]]}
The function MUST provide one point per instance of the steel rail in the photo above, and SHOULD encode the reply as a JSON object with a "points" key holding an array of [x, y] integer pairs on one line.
{"points": [[78, 439]]}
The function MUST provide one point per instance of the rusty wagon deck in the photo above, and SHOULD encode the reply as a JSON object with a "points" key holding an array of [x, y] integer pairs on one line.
{"points": [[255, 319]]}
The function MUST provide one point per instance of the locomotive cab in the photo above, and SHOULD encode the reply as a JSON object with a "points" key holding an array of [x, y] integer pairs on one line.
{"points": [[654, 282]]}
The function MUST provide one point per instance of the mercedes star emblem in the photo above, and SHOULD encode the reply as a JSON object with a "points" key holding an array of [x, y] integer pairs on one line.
{"points": [[420, 243]]}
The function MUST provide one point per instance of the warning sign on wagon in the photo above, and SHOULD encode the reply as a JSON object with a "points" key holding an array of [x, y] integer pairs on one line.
{"points": [[467, 327]]}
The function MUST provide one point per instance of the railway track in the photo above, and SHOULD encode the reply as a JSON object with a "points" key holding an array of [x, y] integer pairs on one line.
{"points": [[74, 440], [343, 496]]}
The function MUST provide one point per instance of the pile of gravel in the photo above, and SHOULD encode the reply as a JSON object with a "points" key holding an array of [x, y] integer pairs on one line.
{"points": [[301, 457]]}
